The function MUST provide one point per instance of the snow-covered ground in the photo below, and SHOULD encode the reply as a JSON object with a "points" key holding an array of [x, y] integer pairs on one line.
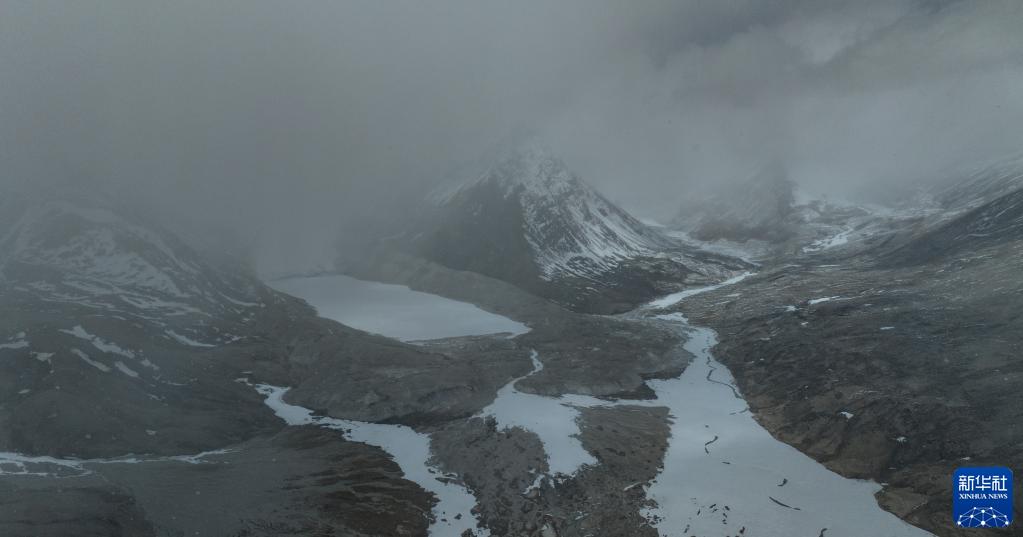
{"points": [[394, 310], [410, 449]]}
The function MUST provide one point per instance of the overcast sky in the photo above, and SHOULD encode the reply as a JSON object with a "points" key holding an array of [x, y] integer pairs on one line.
{"points": [[293, 119]]}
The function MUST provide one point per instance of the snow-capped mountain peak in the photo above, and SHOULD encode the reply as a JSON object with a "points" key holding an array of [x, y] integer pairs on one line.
{"points": [[569, 226], [88, 254]]}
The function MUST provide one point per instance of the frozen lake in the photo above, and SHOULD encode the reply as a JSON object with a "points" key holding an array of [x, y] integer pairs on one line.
{"points": [[719, 456], [394, 310], [722, 472]]}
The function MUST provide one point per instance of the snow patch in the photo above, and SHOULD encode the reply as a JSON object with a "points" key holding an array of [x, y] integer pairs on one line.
{"points": [[98, 342], [14, 344], [125, 369], [185, 340], [830, 242], [85, 358]]}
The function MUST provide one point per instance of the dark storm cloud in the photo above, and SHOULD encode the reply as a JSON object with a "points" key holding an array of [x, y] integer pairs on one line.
{"points": [[296, 121]]}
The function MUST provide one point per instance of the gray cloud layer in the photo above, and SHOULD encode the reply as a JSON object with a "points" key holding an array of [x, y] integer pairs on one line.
{"points": [[294, 120]]}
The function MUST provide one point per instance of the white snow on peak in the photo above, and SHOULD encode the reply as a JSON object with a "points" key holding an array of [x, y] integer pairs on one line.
{"points": [[91, 256], [569, 226], [96, 256]]}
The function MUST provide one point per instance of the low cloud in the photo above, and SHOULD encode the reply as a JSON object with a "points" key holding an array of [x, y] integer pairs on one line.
{"points": [[292, 123]]}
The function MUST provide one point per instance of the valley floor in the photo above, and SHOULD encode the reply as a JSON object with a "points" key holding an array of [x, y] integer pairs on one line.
{"points": [[895, 373]]}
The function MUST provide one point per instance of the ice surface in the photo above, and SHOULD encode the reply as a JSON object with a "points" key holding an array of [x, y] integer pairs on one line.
{"points": [[410, 449], [719, 456], [394, 310], [553, 419]]}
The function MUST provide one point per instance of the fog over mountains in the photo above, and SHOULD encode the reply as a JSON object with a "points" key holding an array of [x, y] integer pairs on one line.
{"points": [[545, 269], [355, 110]]}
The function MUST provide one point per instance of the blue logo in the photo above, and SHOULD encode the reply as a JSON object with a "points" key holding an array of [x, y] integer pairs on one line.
{"points": [[982, 497]]}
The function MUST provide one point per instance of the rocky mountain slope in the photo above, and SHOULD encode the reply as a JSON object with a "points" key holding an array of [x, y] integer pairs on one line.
{"points": [[530, 221]]}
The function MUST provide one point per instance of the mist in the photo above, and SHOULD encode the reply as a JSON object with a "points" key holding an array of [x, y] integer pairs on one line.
{"points": [[293, 124]]}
